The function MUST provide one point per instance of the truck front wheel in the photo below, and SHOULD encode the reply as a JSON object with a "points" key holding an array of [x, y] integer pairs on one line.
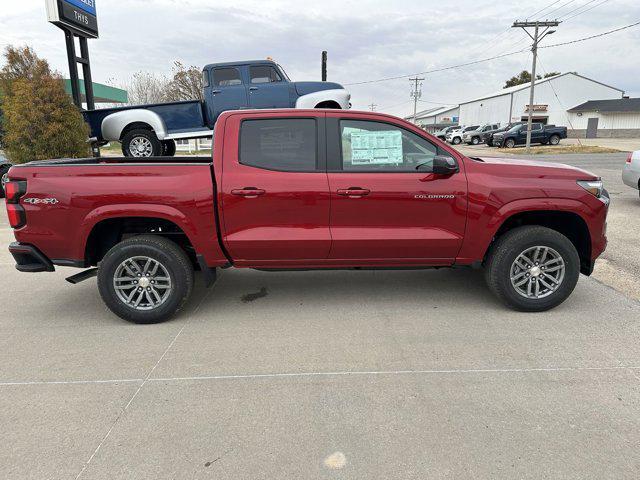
{"points": [[532, 268], [509, 143], [145, 279], [141, 143]]}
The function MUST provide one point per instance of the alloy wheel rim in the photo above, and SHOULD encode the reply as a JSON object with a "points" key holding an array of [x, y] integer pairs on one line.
{"points": [[537, 272], [141, 147], [142, 283]]}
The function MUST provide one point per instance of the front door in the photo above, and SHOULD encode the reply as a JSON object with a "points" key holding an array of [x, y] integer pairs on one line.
{"points": [[386, 206], [267, 88], [274, 192], [227, 92], [592, 127]]}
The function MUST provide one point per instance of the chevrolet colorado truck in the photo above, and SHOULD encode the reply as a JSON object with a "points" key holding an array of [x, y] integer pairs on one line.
{"points": [[151, 130], [306, 189], [517, 135]]}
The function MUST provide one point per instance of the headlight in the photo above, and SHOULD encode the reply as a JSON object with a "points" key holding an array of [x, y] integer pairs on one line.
{"points": [[595, 188]]}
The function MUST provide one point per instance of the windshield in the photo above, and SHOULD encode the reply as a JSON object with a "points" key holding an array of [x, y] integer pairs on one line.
{"points": [[515, 129], [468, 129], [283, 72]]}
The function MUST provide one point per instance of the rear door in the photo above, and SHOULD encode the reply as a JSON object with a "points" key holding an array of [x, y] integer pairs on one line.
{"points": [[384, 210], [267, 88], [274, 190], [228, 91]]}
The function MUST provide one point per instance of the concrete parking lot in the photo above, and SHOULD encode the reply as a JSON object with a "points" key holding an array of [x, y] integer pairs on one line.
{"points": [[347, 375]]}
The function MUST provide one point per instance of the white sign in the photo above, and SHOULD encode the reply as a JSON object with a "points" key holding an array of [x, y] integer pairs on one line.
{"points": [[375, 148]]}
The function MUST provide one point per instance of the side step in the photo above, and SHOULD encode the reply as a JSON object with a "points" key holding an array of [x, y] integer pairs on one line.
{"points": [[82, 276]]}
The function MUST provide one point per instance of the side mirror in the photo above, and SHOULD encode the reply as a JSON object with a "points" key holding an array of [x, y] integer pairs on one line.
{"points": [[444, 165]]}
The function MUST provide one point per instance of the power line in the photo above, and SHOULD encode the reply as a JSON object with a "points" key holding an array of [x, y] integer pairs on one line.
{"points": [[592, 36], [541, 10], [495, 57], [437, 69], [560, 7], [585, 11]]}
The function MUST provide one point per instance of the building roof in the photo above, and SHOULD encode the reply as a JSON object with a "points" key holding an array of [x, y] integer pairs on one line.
{"points": [[525, 86], [432, 112], [630, 105], [101, 93]]}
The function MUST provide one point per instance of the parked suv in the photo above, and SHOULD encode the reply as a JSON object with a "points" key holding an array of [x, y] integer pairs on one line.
{"points": [[474, 137], [442, 134], [487, 137], [455, 137]]}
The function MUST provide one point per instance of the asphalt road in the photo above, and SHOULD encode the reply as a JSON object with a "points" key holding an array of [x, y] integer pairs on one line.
{"points": [[346, 375]]}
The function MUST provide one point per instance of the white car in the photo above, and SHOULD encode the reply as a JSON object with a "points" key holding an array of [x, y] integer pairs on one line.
{"points": [[455, 137], [631, 170]]}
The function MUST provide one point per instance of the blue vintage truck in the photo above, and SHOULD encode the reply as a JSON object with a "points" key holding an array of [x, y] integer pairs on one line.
{"points": [[151, 130]]}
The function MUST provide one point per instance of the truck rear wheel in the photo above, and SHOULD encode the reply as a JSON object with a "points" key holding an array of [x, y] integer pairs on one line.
{"points": [[145, 279], [532, 268], [141, 143], [168, 148], [554, 139]]}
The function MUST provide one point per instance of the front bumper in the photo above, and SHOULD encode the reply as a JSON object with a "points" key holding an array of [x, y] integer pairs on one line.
{"points": [[631, 177], [29, 259]]}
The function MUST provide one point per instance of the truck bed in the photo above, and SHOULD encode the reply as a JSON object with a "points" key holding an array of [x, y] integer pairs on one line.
{"points": [[178, 117]]}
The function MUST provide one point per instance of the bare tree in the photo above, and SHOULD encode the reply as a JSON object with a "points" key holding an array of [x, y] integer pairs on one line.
{"points": [[186, 84], [146, 87]]}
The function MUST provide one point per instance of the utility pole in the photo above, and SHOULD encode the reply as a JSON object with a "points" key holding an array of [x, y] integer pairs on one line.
{"points": [[372, 107], [416, 93], [324, 66], [536, 37]]}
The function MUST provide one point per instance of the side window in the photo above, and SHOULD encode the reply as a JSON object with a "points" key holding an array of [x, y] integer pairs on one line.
{"points": [[375, 146], [226, 77], [279, 144], [264, 74], [205, 78]]}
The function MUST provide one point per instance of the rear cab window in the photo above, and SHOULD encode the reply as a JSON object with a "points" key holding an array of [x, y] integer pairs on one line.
{"points": [[226, 77], [283, 144]]}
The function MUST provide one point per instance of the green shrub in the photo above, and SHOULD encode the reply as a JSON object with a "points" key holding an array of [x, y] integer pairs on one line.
{"points": [[40, 121]]}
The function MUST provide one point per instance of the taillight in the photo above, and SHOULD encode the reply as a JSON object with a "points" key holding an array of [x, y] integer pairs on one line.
{"points": [[13, 190], [17, 215], [629, 157]]}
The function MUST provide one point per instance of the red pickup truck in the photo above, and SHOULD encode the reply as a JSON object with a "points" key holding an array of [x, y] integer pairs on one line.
{"points": [[306, 189]]}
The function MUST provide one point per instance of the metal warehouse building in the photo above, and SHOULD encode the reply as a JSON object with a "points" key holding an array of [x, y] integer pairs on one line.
{"points": [[436, 118], [553, 97], [619, 118]]}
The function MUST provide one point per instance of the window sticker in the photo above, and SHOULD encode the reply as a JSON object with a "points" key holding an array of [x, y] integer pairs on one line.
{"points": [[376, 148]]}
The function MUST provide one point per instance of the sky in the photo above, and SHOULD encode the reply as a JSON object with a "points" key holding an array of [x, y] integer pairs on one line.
{"points": [[365, 39]]}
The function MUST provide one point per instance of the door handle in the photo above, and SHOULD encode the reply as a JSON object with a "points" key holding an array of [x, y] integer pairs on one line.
{"points": [[253, 88], [215, 91], [353, 192], [248, 192]]}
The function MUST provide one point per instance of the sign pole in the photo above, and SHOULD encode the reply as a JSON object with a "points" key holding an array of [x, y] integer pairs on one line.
{"points": [[73, 67]]}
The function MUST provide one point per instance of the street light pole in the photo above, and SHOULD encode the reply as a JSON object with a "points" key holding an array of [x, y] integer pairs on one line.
{"points": [[536, 37]]}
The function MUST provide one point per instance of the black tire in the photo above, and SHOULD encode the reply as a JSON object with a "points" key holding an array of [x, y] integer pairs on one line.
{"points": [[509, 143], [456, 140], [171, 257], [509, 246], [475, 141], [554, 139], [489, 142], [168, 148], [141, 135]]}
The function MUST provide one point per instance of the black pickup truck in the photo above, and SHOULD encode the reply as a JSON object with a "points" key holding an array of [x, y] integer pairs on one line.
{"points": [[544, 134]]}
